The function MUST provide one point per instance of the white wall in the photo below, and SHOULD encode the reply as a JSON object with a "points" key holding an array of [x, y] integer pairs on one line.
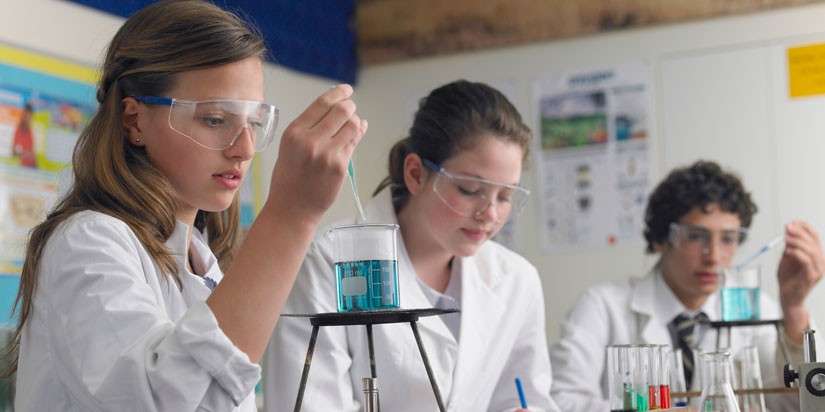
{"points": [[720, 93]]}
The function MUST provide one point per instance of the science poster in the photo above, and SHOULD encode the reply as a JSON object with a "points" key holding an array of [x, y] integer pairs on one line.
{"points": [[594, 156]]}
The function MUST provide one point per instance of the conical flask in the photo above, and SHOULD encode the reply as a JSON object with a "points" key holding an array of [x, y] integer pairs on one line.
{"points": [[717, 391]]}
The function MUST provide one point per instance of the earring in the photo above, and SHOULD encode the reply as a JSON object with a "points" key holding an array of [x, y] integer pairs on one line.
{"points": [[137, 140]]}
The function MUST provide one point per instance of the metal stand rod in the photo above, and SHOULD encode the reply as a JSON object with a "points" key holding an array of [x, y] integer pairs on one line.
{"points": [[427, 366], [307, 363], [372, 351]]}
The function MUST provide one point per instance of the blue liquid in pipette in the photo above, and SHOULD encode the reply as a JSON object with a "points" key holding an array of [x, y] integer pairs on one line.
{"points": [[367, 285], [740, 304]]}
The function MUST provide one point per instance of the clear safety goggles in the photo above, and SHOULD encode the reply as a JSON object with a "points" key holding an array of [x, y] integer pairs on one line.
{"points": [[217, 124], [470, 196], [698, 239]]}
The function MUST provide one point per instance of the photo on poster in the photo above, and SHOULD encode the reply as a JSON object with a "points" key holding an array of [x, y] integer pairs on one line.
{"points": [[573, 120]]}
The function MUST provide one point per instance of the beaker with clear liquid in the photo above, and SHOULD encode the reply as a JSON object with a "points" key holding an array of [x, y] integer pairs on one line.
{"points": [[366, 266], [717, 388]]}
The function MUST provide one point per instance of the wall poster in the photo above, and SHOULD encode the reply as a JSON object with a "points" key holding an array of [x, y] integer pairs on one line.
{"points": [[44, 104], [594, 158]]}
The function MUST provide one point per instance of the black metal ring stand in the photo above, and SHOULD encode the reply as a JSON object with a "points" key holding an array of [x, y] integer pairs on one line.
{"points": [[369, 318], [727, 325]]}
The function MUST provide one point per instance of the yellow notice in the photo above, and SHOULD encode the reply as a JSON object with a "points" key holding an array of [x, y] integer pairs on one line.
{"points": [[806, 70]]}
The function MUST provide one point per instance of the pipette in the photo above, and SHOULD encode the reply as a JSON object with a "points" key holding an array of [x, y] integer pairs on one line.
{"points": [[351, 173], [775, 241]]}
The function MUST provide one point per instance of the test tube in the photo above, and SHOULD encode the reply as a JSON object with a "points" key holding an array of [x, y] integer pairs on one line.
{"points": [[621, 369], [653, 377], [643, 374], [677, 377], [749, 376], [664, 376]]}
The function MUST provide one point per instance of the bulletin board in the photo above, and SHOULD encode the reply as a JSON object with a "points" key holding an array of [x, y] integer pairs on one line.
{"points": [[44, 104]]}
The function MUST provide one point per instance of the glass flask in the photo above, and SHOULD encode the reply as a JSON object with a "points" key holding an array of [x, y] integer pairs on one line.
{"points": [[717, 390]]}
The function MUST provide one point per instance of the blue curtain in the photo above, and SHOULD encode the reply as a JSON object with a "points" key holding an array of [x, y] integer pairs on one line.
{"points": [[311, 36]]}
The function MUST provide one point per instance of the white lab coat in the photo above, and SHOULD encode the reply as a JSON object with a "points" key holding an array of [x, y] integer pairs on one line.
{"points": [[502, 337], [109, 332], [637, 311]]}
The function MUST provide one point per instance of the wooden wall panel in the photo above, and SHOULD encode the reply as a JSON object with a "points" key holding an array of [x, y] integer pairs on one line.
{"points": [[391, 30]]}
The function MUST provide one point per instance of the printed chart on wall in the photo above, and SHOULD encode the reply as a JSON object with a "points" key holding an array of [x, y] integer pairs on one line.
{"points": [[44, 104], [593, 167]]}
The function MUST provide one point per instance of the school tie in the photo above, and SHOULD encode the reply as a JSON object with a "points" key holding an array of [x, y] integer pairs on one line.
{"points": [[684, 326]]}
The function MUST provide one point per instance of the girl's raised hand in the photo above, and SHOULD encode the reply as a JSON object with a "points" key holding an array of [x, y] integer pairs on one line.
{"points": [[314, 152]]}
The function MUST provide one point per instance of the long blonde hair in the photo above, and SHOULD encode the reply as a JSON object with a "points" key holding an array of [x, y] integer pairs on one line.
{"points": [[114, 177]]}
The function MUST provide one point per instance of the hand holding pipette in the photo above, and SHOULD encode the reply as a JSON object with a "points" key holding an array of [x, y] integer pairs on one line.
{"points": [[800, 269]]}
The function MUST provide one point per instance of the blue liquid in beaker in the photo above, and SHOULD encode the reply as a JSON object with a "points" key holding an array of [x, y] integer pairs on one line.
{"points": [[740, 304], [367, 285]]}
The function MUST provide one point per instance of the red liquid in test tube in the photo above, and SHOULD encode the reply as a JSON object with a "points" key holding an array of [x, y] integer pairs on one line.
{"points": [[664, 396]]}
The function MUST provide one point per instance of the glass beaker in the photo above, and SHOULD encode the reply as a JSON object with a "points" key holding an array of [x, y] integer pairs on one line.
{"points": [[717, 391], [366, 266], [739, 296]]}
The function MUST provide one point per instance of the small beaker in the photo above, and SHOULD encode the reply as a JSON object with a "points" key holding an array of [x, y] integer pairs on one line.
{"points": [[717, 390], [739, 295], [366, 266]]}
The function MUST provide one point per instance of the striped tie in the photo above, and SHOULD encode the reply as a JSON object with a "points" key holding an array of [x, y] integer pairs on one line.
{"points": [[684, 326]]}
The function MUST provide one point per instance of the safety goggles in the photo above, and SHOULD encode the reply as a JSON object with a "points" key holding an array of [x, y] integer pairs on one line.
{"points": [[699, 239], [217, 124], [470, 196]]}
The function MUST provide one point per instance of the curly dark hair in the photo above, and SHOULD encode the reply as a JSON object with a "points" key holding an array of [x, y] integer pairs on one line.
{"points": [[699, 185]]}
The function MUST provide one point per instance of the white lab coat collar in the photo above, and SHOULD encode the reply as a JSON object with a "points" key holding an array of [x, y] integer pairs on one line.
{"points": [[655, 304], [204, 262], [481, 309]]}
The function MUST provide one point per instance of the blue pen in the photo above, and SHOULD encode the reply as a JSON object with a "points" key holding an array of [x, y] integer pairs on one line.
{"points": [[521, 394]]}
